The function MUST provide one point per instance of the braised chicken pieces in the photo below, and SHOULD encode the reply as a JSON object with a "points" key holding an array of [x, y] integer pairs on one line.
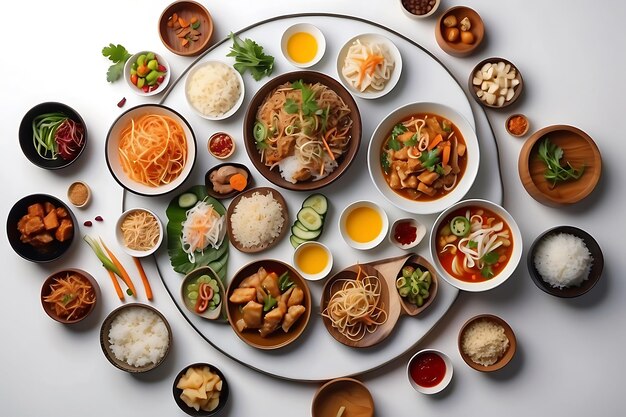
{"points": [[45, 223]]}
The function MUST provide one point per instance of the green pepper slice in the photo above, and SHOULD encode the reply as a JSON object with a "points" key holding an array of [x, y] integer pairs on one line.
{"points": [[460, 226]]}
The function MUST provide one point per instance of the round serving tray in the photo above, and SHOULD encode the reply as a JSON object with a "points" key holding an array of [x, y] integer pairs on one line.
{"points": [[424, 78]]}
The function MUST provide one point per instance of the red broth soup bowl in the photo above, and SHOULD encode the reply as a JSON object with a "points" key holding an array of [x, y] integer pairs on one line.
{"points": [[476, 245]]}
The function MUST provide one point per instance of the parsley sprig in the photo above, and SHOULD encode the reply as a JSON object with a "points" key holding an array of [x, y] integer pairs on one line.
{"points": [[249, 55], [118, 55], [551, 154]]}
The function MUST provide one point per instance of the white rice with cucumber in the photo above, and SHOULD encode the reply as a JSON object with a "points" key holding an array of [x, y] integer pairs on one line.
{"points": [[563, 260]]}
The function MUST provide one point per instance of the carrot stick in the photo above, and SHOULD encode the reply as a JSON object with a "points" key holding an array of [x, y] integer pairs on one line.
{"points": [[144, 278], [124, 275], [446, 155], [328, 134], [116, 285], [435, 142]]}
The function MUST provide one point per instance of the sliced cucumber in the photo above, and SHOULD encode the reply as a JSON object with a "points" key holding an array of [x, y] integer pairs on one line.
{"points": [[300, 225], [296, 241], [317, 202], [309, 218], [187, 200], [306, 234]]}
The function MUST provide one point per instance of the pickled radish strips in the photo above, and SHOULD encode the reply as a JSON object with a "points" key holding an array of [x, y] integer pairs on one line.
{"points": [[55, 134], [202, 227]]}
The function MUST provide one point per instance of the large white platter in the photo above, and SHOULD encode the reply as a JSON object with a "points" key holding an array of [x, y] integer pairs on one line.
{"points": [[317, 356]]}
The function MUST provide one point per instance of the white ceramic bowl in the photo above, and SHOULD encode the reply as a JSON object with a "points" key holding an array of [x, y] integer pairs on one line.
{"points": [[371, 38], [363, 245], [112, 149], [384, 130], [310, 29], [324, 272], [442, 384], [508, 269], [120, 237], [419, 234], [237, 104], [420, 16], [138, 90]]}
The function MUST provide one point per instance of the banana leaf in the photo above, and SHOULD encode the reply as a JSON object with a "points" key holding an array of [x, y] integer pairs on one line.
{"points": [[217, 259]]}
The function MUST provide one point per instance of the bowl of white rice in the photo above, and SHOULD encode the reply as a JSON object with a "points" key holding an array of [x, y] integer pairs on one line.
{"points": [[487, 343], [135, 338], [214, 90], [565, 261]]}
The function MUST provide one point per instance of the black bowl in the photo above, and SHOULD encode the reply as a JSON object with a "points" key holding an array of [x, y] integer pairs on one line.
{"points": [[594, 274], [224, 393], [26, 134], [55, 249]]}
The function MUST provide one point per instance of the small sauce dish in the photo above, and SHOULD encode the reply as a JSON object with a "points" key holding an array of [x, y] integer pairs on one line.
{"points": [[79, 194], [419, 9], [221, 145], [429, 371], [406, 233], [517, 125], [313, 260], [303, 45], [363, 225]]}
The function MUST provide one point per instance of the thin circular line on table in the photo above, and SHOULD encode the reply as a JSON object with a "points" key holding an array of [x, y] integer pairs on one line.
{"points": [[274, 19]]}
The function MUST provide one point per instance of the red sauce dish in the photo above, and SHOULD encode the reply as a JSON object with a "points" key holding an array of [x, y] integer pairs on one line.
{"points": [[221, 145], [405, 232], [429, 371]]}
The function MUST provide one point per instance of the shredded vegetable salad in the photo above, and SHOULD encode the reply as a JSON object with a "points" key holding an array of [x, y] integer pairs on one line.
{"points": [[202, 227]]}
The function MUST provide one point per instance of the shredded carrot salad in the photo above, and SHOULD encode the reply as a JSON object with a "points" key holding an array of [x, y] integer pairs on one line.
{"points": [[71, 297], [153, 150]]}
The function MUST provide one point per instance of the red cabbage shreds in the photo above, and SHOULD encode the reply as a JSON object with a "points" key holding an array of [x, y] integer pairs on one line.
{"points": [[70, 138]]}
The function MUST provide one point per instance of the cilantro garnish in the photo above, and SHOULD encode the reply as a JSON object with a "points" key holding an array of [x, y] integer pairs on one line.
{"points": [[430, 159], [118, 55], [384, 162], [250, 56], [472, 244]]}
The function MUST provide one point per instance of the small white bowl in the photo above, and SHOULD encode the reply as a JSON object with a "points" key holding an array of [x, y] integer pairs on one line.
{"points": [[420, 233], [138, 90], [120, 237], [237, 104], [320, 275], [420, 16], [371, 38], [363, 245], [310, 29], [511, 265], [442, 384]]}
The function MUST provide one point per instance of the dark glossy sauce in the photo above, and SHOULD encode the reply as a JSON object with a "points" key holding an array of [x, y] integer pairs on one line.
{"points": [[405, 233], [428, 369]]}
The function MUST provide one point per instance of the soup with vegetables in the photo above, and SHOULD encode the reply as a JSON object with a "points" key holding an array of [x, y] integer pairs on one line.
{"points": [[424, 157], [474, 244]]}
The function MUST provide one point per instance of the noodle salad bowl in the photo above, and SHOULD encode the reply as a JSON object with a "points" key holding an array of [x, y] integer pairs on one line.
{"points": [[456, 167], [475, 245], [139, 232], [295, 160], [164, 139]]}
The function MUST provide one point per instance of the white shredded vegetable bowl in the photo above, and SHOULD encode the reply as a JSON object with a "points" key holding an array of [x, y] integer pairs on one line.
{"points": [[483, 237]]}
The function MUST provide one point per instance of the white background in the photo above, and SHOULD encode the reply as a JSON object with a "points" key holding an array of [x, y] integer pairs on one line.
{"points": [[569, 359]]}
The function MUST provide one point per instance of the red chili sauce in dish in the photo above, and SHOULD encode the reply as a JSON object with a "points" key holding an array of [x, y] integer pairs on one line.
{"points": [[428, 369], [221, 145], [405, 233]]}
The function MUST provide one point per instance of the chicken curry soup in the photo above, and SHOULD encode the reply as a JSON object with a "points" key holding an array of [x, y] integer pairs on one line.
{"points": [[474, 244], [424, 157]]}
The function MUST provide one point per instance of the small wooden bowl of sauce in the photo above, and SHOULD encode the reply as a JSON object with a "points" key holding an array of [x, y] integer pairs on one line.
{"points": [[517, 125], [221, 145]]}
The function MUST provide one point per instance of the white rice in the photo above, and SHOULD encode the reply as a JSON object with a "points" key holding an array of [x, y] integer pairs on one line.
{"points": [[257, 220], [138, 336], [213, 89], [290, 165], [563, 260], [484, 342]]}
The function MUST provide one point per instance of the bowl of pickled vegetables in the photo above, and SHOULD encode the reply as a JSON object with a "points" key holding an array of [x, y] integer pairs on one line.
{"points": [[202, 292]]}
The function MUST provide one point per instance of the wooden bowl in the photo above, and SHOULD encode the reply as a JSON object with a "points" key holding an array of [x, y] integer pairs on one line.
{"points": [[220, 311], [578, 149], [46, 290], [518, 134], [51, 252], [594, 274], [186, 10], [209, 186], [106, 346], [273, 175], [333, 284], [508, 354], [216, 136], [25, 134], [231, 209], [421, 262], [475, 89], [278, 338], [343, 392], [224, 393], [458, 48]]}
